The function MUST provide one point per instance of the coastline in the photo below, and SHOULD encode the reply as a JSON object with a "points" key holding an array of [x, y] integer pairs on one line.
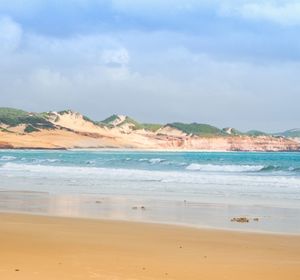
{"points": [[204, 227], [177, 150], [147, 150], [193, 214], [35, 247]]}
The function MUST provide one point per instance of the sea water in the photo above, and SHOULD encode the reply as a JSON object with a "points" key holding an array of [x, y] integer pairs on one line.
{"points": [[191, 188]]}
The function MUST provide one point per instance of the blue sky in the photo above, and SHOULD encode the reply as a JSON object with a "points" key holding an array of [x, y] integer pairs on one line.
{"points": [[228, 63]]}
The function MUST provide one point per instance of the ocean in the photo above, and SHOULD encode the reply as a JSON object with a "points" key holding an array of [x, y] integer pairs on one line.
{"points": [[190, 188]]}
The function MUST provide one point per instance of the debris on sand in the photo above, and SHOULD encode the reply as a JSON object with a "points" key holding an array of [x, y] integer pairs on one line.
{"points": [[240, 220], [255, 219], [136, 208]]}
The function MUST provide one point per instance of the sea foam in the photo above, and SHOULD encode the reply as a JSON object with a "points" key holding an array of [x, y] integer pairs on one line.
{"points": [[7, 158], [224, 168], [138, 175]]}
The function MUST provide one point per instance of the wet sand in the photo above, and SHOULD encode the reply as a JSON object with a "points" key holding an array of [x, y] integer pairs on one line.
{"points": [[42, 247], [185, 213]]}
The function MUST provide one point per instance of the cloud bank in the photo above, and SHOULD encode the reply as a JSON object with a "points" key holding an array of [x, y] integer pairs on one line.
{"points": [[222, 62]]}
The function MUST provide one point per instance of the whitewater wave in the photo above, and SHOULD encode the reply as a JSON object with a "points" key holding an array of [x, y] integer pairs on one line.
{"points": [[90, 173], [142, 182], [7, 158], [152, 160], [47, 160], [156, 160], [224, 168], [274, 168], [118, 174], [241, 168], [36, 160], [295, 169]]}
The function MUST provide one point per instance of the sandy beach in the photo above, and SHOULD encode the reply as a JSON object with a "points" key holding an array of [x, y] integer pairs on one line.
{"points": [[149, 140], [42, 247]]}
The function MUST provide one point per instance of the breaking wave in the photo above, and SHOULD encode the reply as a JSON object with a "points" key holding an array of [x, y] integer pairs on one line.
{"points": [[224, 168], [240, 168], [151, 160], [7, 158]]}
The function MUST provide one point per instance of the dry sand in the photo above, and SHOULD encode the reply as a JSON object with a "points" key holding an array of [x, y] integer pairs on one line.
{"points": [[40, 247]]}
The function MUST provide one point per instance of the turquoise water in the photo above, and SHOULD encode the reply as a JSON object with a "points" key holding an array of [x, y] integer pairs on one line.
{"points": [[165, 161], [249, 183]]}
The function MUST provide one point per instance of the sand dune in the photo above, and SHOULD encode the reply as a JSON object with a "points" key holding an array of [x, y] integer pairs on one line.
{"points": [[73, 130]]}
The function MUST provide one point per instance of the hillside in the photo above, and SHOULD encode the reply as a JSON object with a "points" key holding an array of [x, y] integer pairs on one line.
{"points": [[292, 133], [69, 129], [256, 133], [232, 131], [125, 121], [197, 129], [14, 118]]}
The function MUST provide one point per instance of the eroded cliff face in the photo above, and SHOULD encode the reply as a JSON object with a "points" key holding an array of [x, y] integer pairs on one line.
{"points": [[61, 138], [72, 130], [5, 145], [296, 139], [233, 143]]}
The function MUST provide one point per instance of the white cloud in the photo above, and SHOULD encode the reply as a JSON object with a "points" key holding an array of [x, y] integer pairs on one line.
{"points": [[10, 35], [285, 12], [279, 12], [118, 57], [152, 76], [48, 78]]}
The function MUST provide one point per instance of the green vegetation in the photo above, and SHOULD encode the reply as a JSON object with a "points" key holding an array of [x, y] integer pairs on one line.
{"points": [[151, 126], [134, 124], [15, 117], [11, 116], [35, 121], [88, 119], [256, 133], [110, 119], [5, 130], [197, 129], [138, 126], [290, 133], [233, 131], [44, 115], [64, 112], [29, 128]]}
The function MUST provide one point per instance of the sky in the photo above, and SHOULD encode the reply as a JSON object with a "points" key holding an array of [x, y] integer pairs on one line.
{"points": [[224, 62]]}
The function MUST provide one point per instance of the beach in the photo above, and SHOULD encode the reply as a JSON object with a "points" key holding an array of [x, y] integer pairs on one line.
{"points": [[204, 190], [42, 247], [149, 140], [149, 215]]}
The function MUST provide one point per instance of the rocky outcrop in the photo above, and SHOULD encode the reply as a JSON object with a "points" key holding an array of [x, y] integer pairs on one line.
{"points": [[5, 145]]}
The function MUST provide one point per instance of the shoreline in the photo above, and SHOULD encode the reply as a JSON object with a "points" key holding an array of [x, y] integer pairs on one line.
{"points": [[41, 247], [217, 215], [154, 222], [146, 150]]}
